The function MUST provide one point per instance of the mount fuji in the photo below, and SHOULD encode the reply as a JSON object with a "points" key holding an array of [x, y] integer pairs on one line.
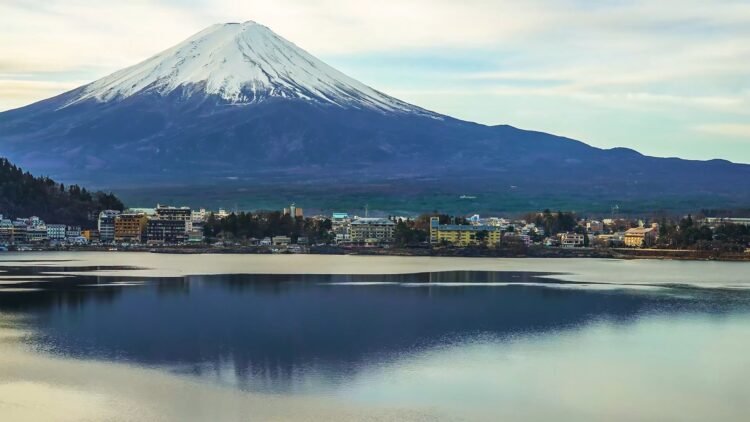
{"points": [[237, 105]]}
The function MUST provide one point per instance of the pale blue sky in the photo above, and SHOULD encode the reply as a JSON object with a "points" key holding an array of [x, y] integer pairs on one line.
{"points": [[668, 78]]}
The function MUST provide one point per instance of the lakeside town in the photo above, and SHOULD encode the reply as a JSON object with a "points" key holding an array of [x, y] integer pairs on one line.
{"points": [[546, 233]]}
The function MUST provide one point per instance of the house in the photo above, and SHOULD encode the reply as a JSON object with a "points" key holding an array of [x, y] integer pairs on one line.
{"points": [[266, 241], [572, 240]]}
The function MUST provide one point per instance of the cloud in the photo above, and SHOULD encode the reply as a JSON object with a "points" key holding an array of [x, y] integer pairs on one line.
{"points": [[733, 130]]}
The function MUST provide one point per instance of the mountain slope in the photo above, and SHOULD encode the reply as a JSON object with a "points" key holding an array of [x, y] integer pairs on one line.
{"points": [[236, 105]]}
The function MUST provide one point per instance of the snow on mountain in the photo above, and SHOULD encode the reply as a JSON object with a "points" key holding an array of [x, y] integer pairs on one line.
{"points": [[242, 63]]}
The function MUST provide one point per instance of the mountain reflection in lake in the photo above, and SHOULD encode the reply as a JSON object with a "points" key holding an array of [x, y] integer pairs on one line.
{"points": [[268, 332]]}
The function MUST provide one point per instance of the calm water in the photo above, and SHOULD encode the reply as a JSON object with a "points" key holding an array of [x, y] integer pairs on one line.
{"points": [[425, 345]]}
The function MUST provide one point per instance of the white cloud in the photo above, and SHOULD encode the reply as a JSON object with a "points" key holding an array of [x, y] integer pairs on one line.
{"points": [[733, 130]]}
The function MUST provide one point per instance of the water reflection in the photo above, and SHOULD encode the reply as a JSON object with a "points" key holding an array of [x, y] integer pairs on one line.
{"points": [[312, 333]]}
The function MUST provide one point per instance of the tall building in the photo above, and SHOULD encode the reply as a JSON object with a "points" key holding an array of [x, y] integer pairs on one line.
{"points": [[294, 211], [183, 214], [170, 232], [106, 225], [368, 230], [130, 227]]}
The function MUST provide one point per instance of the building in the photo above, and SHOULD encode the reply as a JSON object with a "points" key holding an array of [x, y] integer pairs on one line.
{"points": [[281, 240], [36, 230], [572, 240], [20, 232], [716, 221], [73, 231], [370, 230], [90, 235], [199, 216], [640, 237], [464, 235], [169, 232], [183, 214], [294, 212], [594, 226], [130, 227], [196, 235], [6, 232], [341, 227], [106, 225], [56, 231]]}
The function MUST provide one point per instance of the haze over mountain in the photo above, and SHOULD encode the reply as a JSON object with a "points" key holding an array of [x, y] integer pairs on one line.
{"points": [[236, 105]]}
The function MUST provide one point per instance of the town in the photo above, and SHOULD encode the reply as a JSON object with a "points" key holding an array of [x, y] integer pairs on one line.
{"points": [[290, 231]]}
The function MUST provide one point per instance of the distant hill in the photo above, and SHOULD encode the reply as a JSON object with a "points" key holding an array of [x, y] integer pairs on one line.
{"points": [[238, 114], [23, 195]]}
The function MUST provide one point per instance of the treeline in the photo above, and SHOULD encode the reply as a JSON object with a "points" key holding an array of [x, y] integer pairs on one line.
{"points": [[553, 223], [687, 234], [247, 225], [23, 195]]}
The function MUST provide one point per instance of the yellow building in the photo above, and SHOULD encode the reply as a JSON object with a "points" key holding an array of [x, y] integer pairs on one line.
{"points": [[462, 236], [640, 237], [130, 227]]}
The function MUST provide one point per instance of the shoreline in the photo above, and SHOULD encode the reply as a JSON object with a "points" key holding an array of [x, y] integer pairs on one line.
{"points": [[561, 253]]}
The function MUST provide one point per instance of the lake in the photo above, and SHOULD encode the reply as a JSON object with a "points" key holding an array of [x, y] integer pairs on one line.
{"points": [[139, 336]]}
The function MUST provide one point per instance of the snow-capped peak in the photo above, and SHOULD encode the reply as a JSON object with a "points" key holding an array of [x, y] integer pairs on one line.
{"points": [[242, 63]]}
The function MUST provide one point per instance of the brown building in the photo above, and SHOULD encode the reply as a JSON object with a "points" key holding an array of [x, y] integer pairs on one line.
{"points": [[130, 227], [640, 237], [90, 235]]}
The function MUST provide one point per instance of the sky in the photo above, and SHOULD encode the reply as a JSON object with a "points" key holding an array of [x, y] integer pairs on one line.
{"points": [[667, 78]]}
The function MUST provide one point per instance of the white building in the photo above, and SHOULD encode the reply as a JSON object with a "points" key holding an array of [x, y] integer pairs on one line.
{"points": [[106, 225], [199, 216], [341, 226], [72, 231], [572, 240], [368, 230], [56, 231]]}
